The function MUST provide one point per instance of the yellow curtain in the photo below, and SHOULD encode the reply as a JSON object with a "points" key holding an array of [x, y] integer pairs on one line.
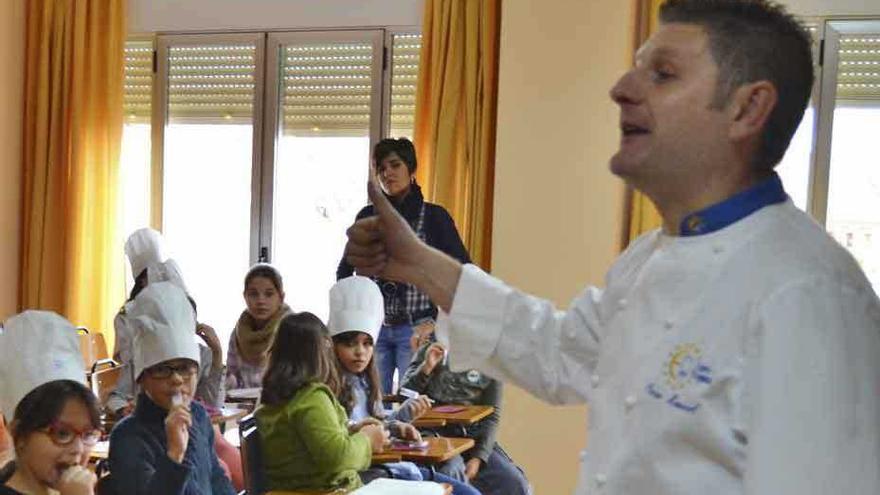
{"points": [[456, 102], [73, 117], [6, 453], [641, 214]]}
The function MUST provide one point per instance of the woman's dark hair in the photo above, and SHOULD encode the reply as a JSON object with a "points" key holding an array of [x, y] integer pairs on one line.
{"points": [[371, 374], [140, 283], [299, 356], [42, 406], [404, 149], [266, 271]]}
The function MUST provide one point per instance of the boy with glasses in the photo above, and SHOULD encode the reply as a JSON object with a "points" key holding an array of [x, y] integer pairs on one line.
{"points": [[166, 445]]}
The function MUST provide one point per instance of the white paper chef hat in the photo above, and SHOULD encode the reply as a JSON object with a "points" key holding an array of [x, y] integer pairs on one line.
{"points": [[36, 347], [144, 248], [356, 304], [163, 324], [167, 271]]}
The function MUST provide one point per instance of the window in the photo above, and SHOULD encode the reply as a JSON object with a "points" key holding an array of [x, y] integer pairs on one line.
{"points": [[404, 75], [134, 169], [260, 146], [328, 89], [850, 122], [831, 169], [208, 102]]}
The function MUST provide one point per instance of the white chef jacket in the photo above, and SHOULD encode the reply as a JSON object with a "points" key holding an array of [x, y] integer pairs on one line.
{"points": [[743, 361]]}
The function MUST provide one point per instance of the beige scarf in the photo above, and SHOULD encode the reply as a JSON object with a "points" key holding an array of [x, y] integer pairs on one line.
{"points": [[253, 345]]}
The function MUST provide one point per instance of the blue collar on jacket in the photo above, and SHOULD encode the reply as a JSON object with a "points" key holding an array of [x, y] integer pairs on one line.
{"points": [[734, 208]]}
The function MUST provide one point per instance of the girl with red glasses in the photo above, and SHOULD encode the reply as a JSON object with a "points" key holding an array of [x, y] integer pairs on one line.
{"points": [[54, 417]]}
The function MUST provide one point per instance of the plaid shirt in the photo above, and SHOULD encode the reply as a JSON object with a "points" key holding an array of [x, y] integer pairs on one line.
{"points": [[433, 225], [405, 300]]}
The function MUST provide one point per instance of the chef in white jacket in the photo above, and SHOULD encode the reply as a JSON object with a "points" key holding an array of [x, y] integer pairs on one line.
{"points": [[734, 351]]}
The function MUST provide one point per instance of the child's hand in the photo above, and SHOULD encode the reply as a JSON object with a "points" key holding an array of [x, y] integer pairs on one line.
{"points": [[433, 357], [418, 406], [472, 468], [378, 435], [421, 334], [407, 431], [177, 431], [77, 480], [207, 333]]}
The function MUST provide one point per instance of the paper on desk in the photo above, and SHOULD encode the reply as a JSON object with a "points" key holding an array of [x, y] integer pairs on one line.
{"points": [[386, 486]]}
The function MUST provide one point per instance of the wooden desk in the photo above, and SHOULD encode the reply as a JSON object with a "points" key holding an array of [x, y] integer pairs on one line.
{"points": [[468, 416], [387, 456], [440, 449], [249, 395], [429, 423], [101, 450], [227, 414]]}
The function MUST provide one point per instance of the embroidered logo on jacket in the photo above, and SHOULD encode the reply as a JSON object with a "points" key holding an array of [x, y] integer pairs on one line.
{"points": [[683, 370]]}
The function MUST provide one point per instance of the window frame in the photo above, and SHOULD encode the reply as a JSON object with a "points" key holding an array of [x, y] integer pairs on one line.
{"points": [[272, 114], [388, 73], [266, 113], [160, 113], [825, 97]]}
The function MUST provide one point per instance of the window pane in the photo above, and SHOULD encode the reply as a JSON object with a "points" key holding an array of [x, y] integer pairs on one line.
{"points": [[404, 74], [794, 169], [207, 173], [134, 161], [854, 189], [321, 162]]}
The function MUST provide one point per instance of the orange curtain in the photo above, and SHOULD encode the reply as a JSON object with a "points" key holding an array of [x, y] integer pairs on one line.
{"points": [[642, 216], [72, 136], [456, 103], [6, 451]]}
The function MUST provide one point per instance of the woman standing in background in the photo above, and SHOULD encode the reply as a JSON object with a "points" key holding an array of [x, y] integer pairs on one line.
{"points": [[409, 314]]}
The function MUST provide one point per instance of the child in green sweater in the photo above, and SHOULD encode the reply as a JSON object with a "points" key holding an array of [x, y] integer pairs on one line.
{"points": [[306, 443]]}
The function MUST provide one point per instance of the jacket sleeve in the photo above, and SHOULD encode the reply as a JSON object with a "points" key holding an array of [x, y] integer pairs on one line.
{"points": [[137, 471], [485, 439], [413, 378], [447, 238], [123, 392], [517, 338], [210, 388], [233, 371], [814, 404], [330, 445], [345, 269]]}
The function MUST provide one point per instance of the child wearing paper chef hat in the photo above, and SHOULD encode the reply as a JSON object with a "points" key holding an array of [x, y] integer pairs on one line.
{"points": [[357, 311], [166, 444], [150, 265], [54, 417]]}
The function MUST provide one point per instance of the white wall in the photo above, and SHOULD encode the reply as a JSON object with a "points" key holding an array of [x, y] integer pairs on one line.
{"points": [[833, 7], [201, 15]]}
